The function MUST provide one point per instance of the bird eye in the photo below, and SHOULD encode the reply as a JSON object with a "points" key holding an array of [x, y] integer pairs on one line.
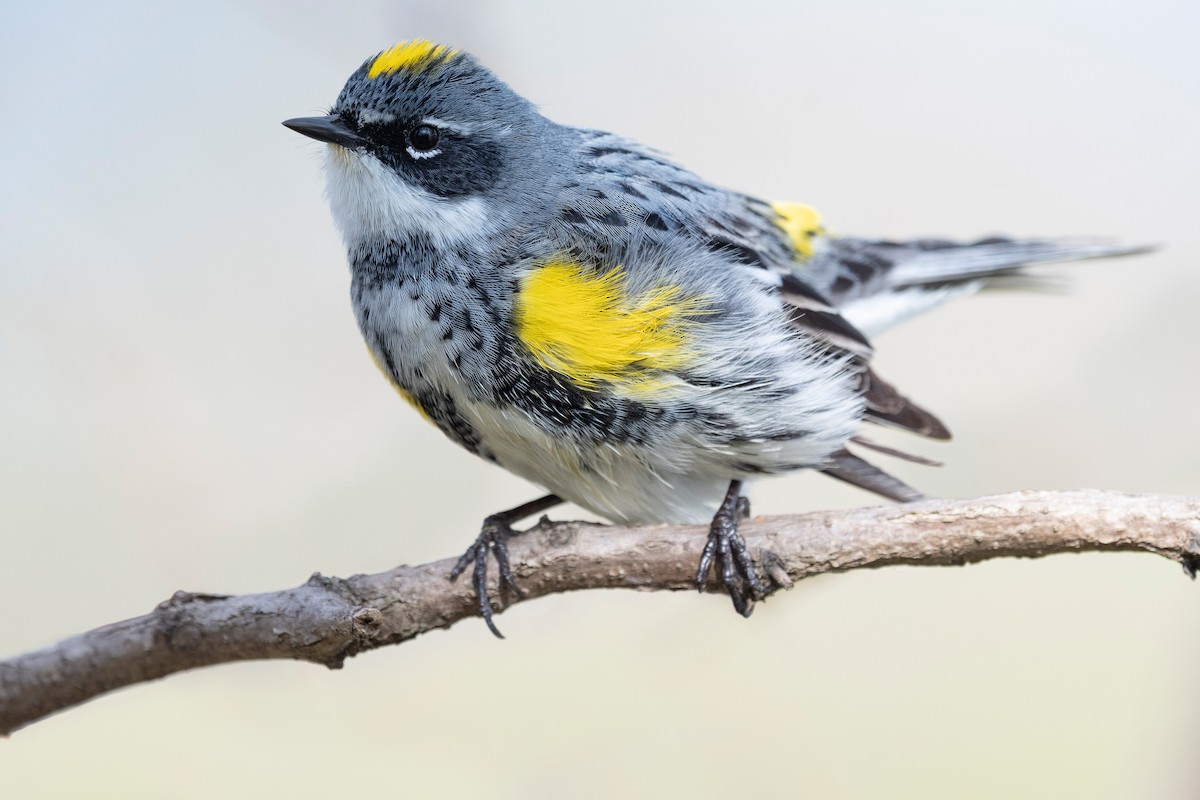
{"points": [[423, 138]]}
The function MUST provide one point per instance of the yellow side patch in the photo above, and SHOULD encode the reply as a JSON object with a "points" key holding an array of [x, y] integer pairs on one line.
{"points": [[802, 224], [412, 401], [584, 326], [405, 395], [419, 54]]}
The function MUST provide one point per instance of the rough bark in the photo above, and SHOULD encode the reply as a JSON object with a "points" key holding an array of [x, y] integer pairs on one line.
{"points": [[329, 619]]}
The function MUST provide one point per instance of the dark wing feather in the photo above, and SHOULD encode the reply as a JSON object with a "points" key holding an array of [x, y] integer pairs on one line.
{"points": [[887, 406], [810, 312], [846, 466], [862, 441]]}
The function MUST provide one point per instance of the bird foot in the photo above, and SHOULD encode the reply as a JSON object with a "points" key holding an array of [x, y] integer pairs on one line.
{"points": [[727, 547], [493, 538]]}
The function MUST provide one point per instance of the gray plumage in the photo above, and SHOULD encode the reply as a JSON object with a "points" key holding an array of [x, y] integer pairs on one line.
{"points": [[775, 371]]}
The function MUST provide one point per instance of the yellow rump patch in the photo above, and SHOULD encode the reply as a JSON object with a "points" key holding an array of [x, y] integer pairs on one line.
{"points": [[582, 325], [419, 54], [802, 224]]}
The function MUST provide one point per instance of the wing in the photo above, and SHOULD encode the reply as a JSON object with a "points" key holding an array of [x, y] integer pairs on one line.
{"points": [[637, 197]]}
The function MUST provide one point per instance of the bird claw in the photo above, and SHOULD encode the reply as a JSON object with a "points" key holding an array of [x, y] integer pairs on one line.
{"points": [[493, 537]]}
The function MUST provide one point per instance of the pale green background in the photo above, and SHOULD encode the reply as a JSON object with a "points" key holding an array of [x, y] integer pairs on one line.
{"points": [[186, 404]]}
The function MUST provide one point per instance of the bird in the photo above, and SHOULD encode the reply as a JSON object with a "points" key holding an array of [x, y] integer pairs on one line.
{"points": [[582, 311]]}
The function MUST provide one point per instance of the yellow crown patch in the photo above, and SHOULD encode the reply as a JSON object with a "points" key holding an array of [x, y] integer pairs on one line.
{"points": [[417, 55]]}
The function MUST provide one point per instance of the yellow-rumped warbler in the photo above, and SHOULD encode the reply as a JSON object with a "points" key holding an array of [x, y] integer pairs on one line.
{"points": [[574, 307]]}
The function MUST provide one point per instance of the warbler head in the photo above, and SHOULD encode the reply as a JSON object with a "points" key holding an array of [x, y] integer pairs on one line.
{"points": [[421, 138]]}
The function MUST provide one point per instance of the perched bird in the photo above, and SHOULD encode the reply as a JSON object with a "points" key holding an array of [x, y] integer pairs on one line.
{"points": [[578, 309]]}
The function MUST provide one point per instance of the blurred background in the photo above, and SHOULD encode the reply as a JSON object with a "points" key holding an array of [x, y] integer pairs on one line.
{"points": [[187, 404]]}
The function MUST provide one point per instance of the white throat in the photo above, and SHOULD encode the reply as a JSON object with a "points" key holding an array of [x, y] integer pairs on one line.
{"points": [[369, 202]]}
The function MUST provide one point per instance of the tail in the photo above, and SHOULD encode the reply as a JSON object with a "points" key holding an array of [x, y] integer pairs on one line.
{"points": [[878, 283], [874, 284]]}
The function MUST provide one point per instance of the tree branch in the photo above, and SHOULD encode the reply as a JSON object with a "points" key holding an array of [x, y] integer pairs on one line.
{"points": [[328, 619]]}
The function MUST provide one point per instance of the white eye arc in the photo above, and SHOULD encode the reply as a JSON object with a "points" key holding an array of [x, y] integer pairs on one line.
{"points": [[456, 127], [423, 140], [419, 154]]}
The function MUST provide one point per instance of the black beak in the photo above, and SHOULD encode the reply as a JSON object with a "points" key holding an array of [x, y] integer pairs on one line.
{"points": [[326, 129]]}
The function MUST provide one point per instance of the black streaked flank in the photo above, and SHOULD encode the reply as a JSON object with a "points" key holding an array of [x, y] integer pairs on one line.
{"points": [[441, 408], [592, 416]]}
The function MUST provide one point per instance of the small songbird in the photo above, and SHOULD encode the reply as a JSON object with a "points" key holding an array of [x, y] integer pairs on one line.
{"points": [[578, 309]]}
